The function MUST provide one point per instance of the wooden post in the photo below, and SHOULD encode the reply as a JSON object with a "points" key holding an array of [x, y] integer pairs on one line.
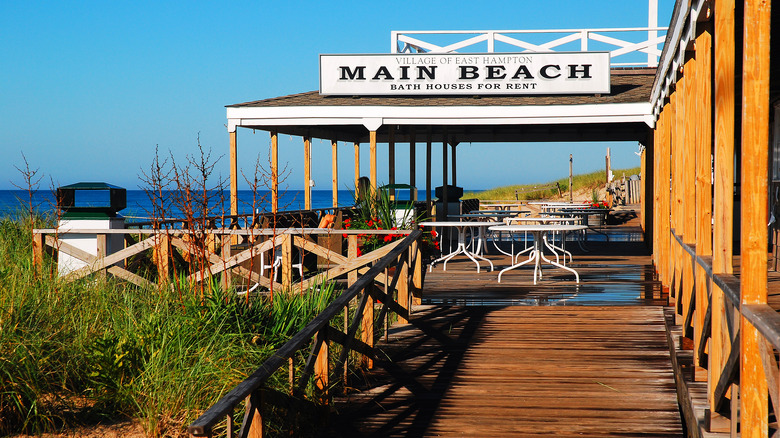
{"points": [[38, 243], [357, 164], [417, 275], [403, 289], [162, 260], [454, 165], [754, 234], [321, 368], [352, 249], [256, 430], [443, 214], [391, 158], [688, 182], [648, 178], [102, 246], [367, 326], [227, 252], [428, 156], [608, 161], [307, 173], [666, 195], [233, 173], [676, 166], [703, 127], [372, 175], [335, 183], [412, 165], [722, 239], [287, 261], [571, 178], [274, 172]]}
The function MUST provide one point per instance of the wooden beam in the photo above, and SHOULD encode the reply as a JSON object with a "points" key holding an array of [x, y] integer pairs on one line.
{"points": [[307, 173], [754, 234], [274, 172], [334, 146], [372, 176], [233, 172]]}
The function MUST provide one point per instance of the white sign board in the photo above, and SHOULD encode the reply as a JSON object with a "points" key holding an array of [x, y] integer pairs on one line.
{"points": [[469, 74]]}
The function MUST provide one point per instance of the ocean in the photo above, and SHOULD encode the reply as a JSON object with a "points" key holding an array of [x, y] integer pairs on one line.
{"points": [[139, 206]]}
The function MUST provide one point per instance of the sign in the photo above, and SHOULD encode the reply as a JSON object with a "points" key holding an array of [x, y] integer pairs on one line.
{"points": [[465, 74]]}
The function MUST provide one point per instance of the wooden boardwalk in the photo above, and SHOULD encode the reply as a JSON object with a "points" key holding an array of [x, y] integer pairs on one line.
{"points": [[519, 371], [514, 359]]}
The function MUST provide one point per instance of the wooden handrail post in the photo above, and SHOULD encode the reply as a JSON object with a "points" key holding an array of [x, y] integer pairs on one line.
{"points": [[403, 289], [321, 369], [255, 404], [417, 274], [102, 247], [352, 248], [367, 325], [287, 261], [227, 252], [162, 259], [38, 243]]}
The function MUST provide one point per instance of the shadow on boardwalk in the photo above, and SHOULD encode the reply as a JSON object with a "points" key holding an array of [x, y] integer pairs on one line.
{"points": [[410, 377]]}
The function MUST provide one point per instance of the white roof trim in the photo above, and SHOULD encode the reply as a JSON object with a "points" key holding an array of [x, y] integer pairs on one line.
{"points": [[372, 117]]}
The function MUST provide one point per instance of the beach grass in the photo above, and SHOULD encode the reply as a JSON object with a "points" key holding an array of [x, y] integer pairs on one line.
{"points": [[587, 181], [97, 350]]}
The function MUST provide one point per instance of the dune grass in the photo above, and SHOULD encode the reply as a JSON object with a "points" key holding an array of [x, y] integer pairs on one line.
{"points": [[586, 181], [91, 350]]}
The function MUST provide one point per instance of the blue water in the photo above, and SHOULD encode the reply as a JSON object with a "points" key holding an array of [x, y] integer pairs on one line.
{"points": [[139, 204]]}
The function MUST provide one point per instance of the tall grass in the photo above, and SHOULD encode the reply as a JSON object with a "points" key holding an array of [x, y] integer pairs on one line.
{"points": [[79, 352], [587, 181]]}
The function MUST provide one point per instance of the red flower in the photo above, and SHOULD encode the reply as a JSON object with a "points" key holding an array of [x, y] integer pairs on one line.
{"points": [[359, 252], [434, 233], [370, 223], [388, 237]]}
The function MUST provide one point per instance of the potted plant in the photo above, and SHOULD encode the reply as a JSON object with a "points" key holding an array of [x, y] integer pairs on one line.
{"points": [[598, 220]]}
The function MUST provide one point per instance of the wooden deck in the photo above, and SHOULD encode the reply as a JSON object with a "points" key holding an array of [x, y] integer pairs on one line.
{"points": [[519, 371], [514, 359]]}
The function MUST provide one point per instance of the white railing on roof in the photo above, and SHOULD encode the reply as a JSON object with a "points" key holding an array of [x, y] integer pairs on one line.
{"points": [[622, 43]]}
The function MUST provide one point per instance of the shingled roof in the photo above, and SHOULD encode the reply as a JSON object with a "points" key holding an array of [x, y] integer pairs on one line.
{"points": [[622, 114], [628, 86]]}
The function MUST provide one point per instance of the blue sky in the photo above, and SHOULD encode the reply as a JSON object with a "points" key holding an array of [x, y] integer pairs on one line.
{"points": [[89, 89]]}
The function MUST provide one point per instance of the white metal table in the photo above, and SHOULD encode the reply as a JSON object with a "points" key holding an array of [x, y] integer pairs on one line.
{"points": [[539, 231], [550, 245], [461, 248]]}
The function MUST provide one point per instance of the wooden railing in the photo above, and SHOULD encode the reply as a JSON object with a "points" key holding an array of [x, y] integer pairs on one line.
{"points": [[301, 218], [404, 257], [215, 249], [696, 319]]}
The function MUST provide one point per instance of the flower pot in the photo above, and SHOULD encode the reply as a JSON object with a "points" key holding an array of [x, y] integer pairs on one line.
{"points": [[597, 220]]}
